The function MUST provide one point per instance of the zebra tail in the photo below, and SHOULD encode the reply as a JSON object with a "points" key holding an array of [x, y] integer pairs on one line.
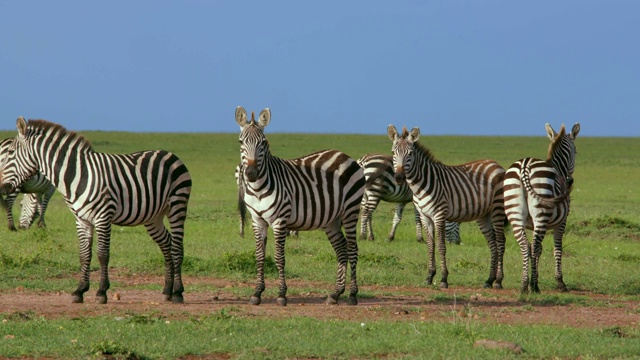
{"points": [[548, 203]]}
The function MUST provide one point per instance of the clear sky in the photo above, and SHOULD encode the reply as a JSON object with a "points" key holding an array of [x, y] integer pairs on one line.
{"points": [[471, 67]]}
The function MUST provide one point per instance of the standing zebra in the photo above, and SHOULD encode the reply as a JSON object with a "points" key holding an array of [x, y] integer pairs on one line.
{"points": [[536, 197], [381, 186], [141, 188], [318, 191], [472, 191], [37, 192]]}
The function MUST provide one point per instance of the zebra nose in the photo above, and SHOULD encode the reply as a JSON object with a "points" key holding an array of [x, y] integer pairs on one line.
{"points": [[251, 172], [399, 176]]}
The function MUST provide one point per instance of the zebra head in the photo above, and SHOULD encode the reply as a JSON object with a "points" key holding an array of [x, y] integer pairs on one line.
{"points": [[253, 144], [19, 163], [403, 150], [562, 150]]}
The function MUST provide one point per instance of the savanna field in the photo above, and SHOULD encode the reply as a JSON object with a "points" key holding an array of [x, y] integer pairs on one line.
{"points": [[398, 315]]}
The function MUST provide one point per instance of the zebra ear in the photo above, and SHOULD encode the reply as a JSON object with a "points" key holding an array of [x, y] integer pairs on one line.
{"points": [[264, 118], [392, 132], [550, 132], [241, 116], [575, 131], [21, 124], [414, 134]]}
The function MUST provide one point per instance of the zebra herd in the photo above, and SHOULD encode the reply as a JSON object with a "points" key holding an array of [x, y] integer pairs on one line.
{"points": [[325, 190]]}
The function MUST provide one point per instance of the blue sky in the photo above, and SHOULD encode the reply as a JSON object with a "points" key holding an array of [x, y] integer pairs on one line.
{"points": [[449, 67]]}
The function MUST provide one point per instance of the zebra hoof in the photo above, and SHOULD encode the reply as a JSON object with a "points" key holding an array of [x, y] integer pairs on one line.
{"points": [[77, 299], [331, 301], [497, 286], [282, 301], [177, 299], [101, 299], [562, 287], [352, 300], [487, 285], [255, 300], [444, 285], [167, 297]]}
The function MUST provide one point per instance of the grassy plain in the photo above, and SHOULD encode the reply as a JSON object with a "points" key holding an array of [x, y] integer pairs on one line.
{"points": [[601, 256]]}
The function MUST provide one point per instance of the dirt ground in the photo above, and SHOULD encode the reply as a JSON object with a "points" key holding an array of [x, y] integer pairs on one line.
{"points": [[487, 306]]}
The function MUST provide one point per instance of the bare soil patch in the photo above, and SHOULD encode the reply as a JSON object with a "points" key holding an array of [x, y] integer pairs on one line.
{"points": [[413, 304]]}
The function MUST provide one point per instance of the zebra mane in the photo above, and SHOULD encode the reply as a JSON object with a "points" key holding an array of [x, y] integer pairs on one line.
{"points": [[44, 126], [426, 153], [556, 142]]}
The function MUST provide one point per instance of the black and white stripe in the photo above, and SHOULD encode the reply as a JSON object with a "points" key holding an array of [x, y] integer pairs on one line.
{"points": [[141, 188], [381, 186], [536, 197], [467, 192], [37, 192], [322, 190]]}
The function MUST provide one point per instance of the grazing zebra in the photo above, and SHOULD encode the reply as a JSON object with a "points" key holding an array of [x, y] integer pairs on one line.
{"points": [[242, 207], [141, 188], [37, 192], [381, 186], [536, 197], [472, 191], [318, 191]]}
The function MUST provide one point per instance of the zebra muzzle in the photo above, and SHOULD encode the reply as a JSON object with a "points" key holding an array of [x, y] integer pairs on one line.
{"points": [[7, 189], [251, 172], [400, 178]]}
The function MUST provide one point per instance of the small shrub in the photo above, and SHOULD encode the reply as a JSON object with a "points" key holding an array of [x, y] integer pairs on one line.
{"points": [[245, 262]]}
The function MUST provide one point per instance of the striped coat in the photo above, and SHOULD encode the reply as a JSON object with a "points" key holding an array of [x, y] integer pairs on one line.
{"points": [[322, 190], [536, 197], [468, 192], [101, 189]]}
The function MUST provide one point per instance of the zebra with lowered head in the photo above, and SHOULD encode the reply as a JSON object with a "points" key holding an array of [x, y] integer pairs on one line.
{"points": [[101, 189], [317, 191], [381, 186], [536, 197], [37, 192], [467, 192]]}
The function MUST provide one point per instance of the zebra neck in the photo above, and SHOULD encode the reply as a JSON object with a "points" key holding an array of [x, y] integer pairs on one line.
{"points": [[558, 163]]}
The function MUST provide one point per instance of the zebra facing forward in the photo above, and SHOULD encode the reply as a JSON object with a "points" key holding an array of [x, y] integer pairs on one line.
{"points": [[472, 191], [318, 191], [141, 188], [37, 192], [381, 186], [536, 197]]}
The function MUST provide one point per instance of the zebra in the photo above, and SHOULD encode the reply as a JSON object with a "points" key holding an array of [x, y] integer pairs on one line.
{"points": [[472, 191], [101, 189], [322, 190], [37, 192], [536, 197], [242, 207], [381, 186]]}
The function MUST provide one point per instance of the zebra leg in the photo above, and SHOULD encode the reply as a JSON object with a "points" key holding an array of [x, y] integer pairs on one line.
{"points": [[103, 231], [397, 218], [498, 228], [558, 233], [260, 234], [369, 205], [85, 241], [538, 235], [177, 216], [428, 229], [418, 226], [280, 235], [161, 236], [489, 234], [339, 243], [525, 251], [8, 202], [350, 225], [44, 204], [440, 226]]}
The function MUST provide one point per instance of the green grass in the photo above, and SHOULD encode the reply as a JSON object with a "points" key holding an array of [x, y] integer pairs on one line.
{"points": [[600, 255]]}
